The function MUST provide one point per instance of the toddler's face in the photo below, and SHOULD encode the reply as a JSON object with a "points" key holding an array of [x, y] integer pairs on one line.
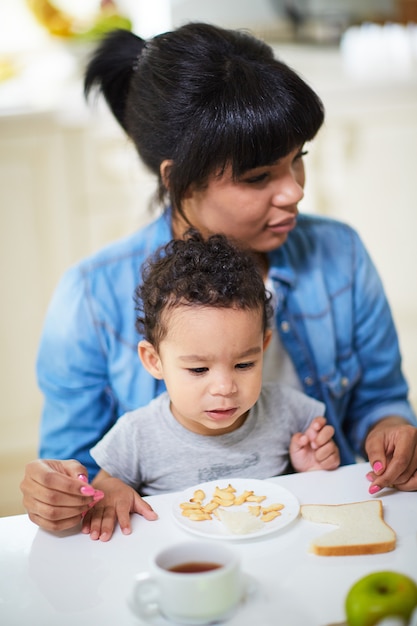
{"points": [[211, 360]]}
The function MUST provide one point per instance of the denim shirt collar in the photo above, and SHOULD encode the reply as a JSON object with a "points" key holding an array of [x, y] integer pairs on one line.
{"points": [[284, 275], [280, 270]]}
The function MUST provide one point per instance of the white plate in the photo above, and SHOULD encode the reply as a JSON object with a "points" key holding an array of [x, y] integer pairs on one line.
{"points": [[215, 529]]}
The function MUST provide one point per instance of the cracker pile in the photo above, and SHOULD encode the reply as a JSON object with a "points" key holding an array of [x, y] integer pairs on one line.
{"points": [[198, 509]]}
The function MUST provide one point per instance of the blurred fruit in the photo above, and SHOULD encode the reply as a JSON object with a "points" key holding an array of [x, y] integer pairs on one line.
{"points": [[381, 595], [8, 69], [55, 21], [103, 24], [61, 24]]}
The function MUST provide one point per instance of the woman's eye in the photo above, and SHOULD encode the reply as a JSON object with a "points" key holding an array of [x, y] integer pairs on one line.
{"points": [[259, 178], [301, 154]]}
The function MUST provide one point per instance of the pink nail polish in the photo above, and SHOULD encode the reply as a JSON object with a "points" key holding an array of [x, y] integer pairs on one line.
{"points": [[377, 467], [87, 490], [82, 477], [99, 495], [374, 489], [369, 476]]}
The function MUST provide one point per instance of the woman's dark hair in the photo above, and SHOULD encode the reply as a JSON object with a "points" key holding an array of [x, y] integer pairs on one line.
{"points": [[198, 272], [203, 97]]}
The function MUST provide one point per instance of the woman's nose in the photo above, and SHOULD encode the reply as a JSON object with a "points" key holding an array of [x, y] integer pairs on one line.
{"points": [[288, 191]]}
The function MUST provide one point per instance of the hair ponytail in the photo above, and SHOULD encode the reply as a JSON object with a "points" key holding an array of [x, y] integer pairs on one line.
{"points": [[111, 67], [203, 97]]}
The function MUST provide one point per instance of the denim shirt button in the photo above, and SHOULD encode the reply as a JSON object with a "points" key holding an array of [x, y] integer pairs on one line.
{"points": [[285, 327], [344, 381], [308, 381]]}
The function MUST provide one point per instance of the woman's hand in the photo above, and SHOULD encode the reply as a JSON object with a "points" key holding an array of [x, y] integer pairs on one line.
{"points": [[118, 503], [314, 449], [391, 446], [55, 493]]}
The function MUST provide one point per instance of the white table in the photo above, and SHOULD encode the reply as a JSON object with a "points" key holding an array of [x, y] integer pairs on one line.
{"points": [[68, 580]]}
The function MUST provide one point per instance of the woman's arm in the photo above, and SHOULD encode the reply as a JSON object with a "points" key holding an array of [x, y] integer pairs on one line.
{"points": [[380, 414], [72, 369]]}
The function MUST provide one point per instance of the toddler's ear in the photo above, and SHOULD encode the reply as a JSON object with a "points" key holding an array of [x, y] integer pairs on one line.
{"points": [[267, 338], [150, 358]]}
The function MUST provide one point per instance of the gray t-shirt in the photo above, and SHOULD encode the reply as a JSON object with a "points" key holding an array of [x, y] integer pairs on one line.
{"points": [[150, 451]]}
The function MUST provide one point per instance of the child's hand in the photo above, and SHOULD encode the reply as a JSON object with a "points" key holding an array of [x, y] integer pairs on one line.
{"points": [[314, 449], [118, 502]]}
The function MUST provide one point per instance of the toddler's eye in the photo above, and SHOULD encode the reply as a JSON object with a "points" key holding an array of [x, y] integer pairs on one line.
{"points": [[198, 370], [245, 366]]}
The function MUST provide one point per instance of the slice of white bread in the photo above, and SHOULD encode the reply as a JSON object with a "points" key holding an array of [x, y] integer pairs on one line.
{"points": [[361, 528]]}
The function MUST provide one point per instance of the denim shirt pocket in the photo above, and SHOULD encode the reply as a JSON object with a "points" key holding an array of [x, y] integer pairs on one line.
{"points": [[344, 377]]}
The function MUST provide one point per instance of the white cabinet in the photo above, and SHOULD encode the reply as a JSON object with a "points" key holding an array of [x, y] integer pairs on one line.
{"points": [[66, 188], [366, 175]]}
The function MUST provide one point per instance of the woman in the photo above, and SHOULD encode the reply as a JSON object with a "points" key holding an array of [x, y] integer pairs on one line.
{"points": [[222, 124]]}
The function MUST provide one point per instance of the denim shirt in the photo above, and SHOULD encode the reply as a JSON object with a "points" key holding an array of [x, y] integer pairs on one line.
{"points": [[332, 315]]}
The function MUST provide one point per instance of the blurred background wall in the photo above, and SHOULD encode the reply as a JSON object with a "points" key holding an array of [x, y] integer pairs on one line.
{"points": [[70, 181]]}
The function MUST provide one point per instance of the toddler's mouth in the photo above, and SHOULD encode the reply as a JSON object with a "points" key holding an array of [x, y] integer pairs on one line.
{"points": [[219, 414]]}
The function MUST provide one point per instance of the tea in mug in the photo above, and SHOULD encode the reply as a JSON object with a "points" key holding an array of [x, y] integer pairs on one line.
{"points": [[194, 567]]}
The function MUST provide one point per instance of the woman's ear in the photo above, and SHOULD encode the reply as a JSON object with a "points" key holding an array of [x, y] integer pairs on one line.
{"points": [[165, 172], [150, 359]]}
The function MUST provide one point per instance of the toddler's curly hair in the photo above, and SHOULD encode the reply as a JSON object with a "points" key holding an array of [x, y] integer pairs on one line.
{"points": [[194, 271]]}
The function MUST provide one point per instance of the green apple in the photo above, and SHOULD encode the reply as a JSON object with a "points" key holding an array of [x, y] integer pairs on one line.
{"points": [[380, 595]]}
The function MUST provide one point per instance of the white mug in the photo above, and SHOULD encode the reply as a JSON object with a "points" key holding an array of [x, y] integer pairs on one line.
{"points": [[189, 583]]}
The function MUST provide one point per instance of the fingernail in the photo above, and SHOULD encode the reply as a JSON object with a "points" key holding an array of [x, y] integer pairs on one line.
{"points": [[88, 490], [377, 466], [374, 489], [370, 476], [82, 477], [98, 495]]}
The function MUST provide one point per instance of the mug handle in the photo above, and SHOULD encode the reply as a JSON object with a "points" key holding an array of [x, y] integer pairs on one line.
{"points": [[144, 596]]}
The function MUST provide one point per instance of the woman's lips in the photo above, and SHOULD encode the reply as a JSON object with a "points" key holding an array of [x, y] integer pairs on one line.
{"points": [[283, 226]]}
